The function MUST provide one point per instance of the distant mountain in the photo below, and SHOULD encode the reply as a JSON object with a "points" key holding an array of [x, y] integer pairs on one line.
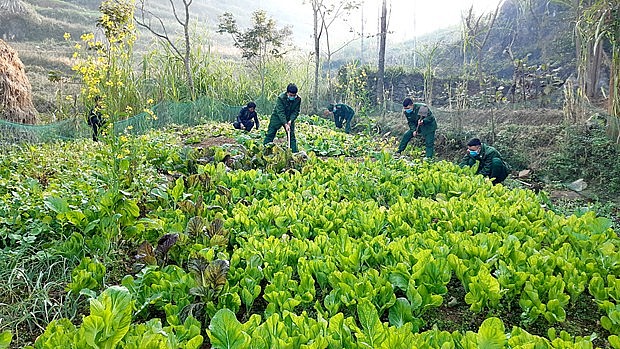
{"points": [[540, 32], [35, 28], [39, 20]]}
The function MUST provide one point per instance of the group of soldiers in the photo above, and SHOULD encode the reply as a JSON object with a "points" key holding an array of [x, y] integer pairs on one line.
{"points": [[419, 117]]}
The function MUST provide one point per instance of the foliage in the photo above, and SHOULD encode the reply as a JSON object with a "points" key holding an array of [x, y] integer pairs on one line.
{"points": [[106, 69], [87, 275], [259, 44], [575, 158], [351, 87], [297, 253]]}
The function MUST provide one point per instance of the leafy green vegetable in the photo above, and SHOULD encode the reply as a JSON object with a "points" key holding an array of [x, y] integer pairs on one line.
{"points": [[225, 331]]}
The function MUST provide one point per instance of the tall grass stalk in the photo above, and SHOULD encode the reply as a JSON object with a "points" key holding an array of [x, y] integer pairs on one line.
{"points": [[32, 292]]}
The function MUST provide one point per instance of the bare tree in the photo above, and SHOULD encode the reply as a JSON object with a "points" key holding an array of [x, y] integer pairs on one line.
{"points": [[476, 32], [324, 15], [382, 39], [156, 26]]}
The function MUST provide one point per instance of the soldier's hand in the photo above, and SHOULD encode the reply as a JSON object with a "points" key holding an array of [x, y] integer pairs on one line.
{"points": [[415, 133], [420, 122]]}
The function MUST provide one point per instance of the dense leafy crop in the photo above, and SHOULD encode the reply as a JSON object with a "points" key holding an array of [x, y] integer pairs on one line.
{"points": [[310, 252]]}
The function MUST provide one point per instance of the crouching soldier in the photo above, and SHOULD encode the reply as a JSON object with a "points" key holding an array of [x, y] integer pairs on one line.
{"points": [[247, 118], [490, 161], [342, 113]]}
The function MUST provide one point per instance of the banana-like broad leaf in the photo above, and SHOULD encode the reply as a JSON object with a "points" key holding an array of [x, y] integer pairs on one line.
{"points": [[225, 331], [491, 334]]}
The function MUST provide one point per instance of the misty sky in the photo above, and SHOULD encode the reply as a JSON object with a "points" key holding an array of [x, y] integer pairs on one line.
{"points": [[408, 18]]}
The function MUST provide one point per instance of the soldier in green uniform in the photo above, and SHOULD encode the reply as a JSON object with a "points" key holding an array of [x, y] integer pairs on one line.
{"points": [[421, 121], [342, 113], [284, 114], [95, 119], [491, 163]]}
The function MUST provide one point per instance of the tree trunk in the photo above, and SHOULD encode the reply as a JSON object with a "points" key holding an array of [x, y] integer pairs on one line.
{"points": [[317, 55], [592, 74], [381, 67], [613, 124], [187, 61]]}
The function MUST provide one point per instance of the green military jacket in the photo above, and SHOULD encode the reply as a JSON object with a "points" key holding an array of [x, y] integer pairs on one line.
{"points": [[429, 124], [344, 111], [285, 109], [486, 156]]}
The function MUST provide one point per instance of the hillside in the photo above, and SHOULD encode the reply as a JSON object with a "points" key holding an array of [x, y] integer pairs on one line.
{"points": [[35, 28], [539, 34]]}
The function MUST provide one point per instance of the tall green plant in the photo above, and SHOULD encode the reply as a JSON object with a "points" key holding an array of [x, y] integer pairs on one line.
{"points": [[106, 67], [259, 44]]}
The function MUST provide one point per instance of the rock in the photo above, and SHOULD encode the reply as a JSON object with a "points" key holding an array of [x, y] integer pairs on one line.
{"points": [[578, 185], [524, 173]]}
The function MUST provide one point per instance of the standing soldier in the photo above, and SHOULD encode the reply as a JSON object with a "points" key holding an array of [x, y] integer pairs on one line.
{"points": [[95, 119], [284, 114], [342, 113], [421, 121]]}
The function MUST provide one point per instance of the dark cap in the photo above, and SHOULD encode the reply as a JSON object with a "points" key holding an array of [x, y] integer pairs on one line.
{"points": [[251, 105], [473, 142], [408, 101], [330, 107], [291, 88], [423, 111]]}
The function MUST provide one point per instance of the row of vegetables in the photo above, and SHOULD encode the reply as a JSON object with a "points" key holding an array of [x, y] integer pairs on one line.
{"points": [[313, 252]]}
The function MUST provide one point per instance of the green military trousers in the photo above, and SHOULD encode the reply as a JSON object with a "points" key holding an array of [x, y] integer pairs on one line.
{"points": [[274, 126], [499, 171], [429, 142]]}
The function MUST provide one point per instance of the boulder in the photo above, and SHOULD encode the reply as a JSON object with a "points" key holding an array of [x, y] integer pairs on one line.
{"points": [[578, 185]]}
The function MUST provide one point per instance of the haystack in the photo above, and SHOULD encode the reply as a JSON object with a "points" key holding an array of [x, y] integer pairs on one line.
{"points": [[15, 89]]}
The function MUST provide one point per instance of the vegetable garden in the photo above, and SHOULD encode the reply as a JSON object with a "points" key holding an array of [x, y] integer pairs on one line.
{"points": [[149, 241]]}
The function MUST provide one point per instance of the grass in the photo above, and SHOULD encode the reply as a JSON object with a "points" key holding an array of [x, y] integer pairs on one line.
{"points": [[32, 293]]}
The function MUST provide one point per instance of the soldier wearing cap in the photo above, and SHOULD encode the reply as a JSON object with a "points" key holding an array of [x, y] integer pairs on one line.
{"points": [[421, 122]]}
